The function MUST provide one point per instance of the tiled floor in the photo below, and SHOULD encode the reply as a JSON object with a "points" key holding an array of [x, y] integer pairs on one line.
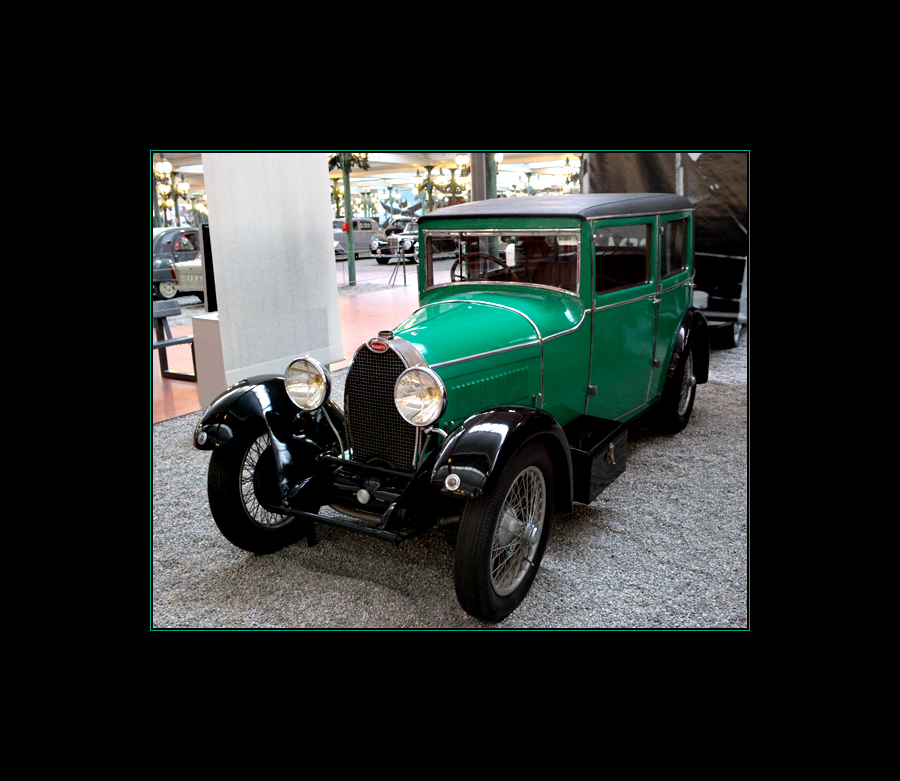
{"points": [[362, 316]]}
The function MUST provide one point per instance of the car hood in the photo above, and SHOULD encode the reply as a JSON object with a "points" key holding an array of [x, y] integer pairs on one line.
{"points": [[461, 323]]}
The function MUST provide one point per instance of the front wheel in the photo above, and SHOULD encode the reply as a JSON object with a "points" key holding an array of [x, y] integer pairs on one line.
{"points": [[502, 537], [242, 480]]}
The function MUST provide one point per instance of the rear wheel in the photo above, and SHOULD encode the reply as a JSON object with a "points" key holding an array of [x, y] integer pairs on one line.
{"points": [[502, 537], [242, 480], [678, 398], [166, 290]]}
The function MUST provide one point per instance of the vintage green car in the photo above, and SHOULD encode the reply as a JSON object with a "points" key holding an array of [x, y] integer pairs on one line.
{"points": [[504, 398]]}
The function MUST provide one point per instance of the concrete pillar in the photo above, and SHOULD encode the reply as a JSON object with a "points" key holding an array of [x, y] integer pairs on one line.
{"points": [[271, 236]]}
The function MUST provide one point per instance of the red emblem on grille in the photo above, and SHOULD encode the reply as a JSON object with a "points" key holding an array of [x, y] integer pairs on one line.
{"points": [[377, 347]]}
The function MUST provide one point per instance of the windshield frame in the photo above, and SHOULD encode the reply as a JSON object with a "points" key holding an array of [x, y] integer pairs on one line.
{"points": [[519, 232]]}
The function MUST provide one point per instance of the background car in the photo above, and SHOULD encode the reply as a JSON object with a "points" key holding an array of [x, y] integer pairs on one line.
{"points": [[389, 248], [365, 231], [401, 224], [168, 247]]}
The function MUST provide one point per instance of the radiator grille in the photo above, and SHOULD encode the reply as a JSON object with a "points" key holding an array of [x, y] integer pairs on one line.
{"points": [[375, 428]]}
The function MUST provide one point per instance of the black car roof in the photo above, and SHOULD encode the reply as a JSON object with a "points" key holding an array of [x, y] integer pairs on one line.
{"points": [[584, 207]]}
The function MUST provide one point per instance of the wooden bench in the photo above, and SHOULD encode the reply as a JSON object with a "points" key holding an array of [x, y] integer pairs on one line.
{"points": [[164, 339]]}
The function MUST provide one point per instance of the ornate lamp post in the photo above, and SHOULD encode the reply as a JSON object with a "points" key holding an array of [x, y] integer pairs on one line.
{"points": [[345, 161]]}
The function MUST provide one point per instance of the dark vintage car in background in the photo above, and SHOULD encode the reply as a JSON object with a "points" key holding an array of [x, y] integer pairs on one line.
{"points": [[556, 324], [399, 224], [171, 246], [407, 241]]}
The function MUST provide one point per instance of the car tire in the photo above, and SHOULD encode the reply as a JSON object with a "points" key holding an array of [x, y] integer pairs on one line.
{"points": [[242, 480], [677, 402], [502, 537], [724, 336], [166, 290]]}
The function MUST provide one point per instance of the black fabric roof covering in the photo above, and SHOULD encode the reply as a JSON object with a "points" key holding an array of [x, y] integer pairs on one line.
{"points": [[585, 207]]}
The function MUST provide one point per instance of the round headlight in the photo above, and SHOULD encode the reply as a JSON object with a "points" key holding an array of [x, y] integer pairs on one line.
{"points": [[407, 245], [307, 383], [420, 396]]}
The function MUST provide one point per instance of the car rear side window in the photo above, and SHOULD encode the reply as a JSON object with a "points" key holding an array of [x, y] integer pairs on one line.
{"points": [[622, 257], [186, 243], [672, 238]]}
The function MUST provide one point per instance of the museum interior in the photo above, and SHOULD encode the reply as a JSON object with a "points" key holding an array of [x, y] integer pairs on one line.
{"points": [[259, 216], [387, 191]]}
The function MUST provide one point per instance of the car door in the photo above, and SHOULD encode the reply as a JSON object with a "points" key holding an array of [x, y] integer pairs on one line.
{"points": [[624, 316], [675, 286]]}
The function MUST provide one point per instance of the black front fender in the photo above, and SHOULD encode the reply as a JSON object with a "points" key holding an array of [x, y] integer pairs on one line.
{"points": [[479, 449], [298, 437]]}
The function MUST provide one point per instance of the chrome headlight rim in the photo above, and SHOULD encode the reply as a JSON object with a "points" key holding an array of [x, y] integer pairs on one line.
{"points": [[439, 384], [318, 399]]}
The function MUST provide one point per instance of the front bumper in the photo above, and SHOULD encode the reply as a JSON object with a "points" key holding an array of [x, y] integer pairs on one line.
{"points": [[381, 503]]}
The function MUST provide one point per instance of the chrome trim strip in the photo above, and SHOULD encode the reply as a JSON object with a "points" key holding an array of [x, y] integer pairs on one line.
{"points": [[502, 349], [675, 287], [483, 303], [570, 330], [482, 355], [623, 303], [408, 353]]}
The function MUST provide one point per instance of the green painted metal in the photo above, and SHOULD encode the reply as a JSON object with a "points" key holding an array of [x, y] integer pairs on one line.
{"points": [[506, 344]]}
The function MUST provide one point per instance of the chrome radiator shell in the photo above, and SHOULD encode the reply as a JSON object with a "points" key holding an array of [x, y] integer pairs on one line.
{"points": [[375, 429]]}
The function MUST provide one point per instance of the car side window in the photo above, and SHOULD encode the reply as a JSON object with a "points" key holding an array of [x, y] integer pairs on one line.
{"points": [[621, 256], [672, 238], [187, 242]]}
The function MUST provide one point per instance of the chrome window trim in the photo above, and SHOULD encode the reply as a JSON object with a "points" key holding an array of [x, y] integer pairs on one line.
{"points": [[446, 233], [517, 284]]}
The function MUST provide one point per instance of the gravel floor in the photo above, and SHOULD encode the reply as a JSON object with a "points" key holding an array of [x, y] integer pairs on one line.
{"points": [[665, 547]]}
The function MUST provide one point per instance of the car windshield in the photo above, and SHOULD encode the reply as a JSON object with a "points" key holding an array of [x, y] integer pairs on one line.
{"points": [[546, 258]]}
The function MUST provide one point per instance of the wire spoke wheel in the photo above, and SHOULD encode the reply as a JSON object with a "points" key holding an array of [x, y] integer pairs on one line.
{"points": [[243, 481], [688, 383], [259, 486], [518, 531], [502, 536]]}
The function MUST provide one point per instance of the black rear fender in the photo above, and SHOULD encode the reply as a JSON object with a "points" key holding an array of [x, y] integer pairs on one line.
{"points": [[694, 334]]}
